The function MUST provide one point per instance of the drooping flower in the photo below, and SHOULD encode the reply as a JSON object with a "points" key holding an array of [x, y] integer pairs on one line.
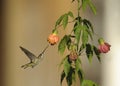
{"points": [[104, 47], [53, 38], [73, 56]]}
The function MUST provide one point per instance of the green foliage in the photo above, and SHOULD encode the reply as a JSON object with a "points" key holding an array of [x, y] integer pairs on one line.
{"points": [[69, 72], [61, 63], [59, 21], [65, 41], [84, 4], [97, 53], [88, 83], [62, 77], [84, 36], [92, 7], [77, 64], [83, 29], [69, 78], [88, 24], [66, 66], [64, 19], [62, 45], [77, 32], [79, 70], [89, 52], [70, 14], [89, 3], [79, 42]]}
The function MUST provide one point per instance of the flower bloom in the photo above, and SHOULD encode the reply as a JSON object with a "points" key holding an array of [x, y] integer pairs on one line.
{"points": [[53, 38], [73, 56], [103, 47]]}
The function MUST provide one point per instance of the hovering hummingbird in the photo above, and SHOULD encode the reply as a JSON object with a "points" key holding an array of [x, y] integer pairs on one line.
{"points": [[34, 60]]}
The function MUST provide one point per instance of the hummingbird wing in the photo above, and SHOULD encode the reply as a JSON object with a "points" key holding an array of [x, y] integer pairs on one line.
{"points": [[30, 55]]}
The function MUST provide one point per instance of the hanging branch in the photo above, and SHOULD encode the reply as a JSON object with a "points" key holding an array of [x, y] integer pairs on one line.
{"points": [[77, 43]]}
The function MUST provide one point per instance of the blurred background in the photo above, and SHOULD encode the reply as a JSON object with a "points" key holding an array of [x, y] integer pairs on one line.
{"points": [[28, 23]]}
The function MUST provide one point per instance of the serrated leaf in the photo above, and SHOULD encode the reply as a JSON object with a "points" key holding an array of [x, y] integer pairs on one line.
{"points": [[84, 4], [88, 31], [77, 32], [75, 25], [69, 78], [62, 44], [92, 7], [73, 77], [61, 63], [80, 75], [88, 24], [90, 34], [62, 77], [89, 52], [65, 20], [69, 41], [66, 67], [59, 20], [84, 37], [70, 14], [97, 53], [77, 65], [88, 83]]}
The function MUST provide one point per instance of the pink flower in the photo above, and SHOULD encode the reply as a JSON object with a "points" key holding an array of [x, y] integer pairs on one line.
{"points": [[73, 56], [53, 38], [103, 47]]}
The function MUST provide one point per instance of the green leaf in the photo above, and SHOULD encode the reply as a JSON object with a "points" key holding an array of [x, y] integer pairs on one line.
{"points": [[59, 20], [88, 83], [97, 53], [68, 41], [61, 63], [88, 24], [79, 70], [88, 31], [77, 64], [89, 52], [70, 76], [62, 77], [66, 67], [70, 14], [90, 34], [84, 36], [65, 20], [77, 32], [92, 7], [62, 44], [80, 75], [73, 77], [84, 4]]}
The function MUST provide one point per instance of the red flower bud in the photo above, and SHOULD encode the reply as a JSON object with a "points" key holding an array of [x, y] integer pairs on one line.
{"points": [[53, 38], [103, 47], [73, 56]]}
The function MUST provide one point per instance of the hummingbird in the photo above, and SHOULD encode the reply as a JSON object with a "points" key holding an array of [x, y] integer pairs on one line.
{"points": [[34, 60]]}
